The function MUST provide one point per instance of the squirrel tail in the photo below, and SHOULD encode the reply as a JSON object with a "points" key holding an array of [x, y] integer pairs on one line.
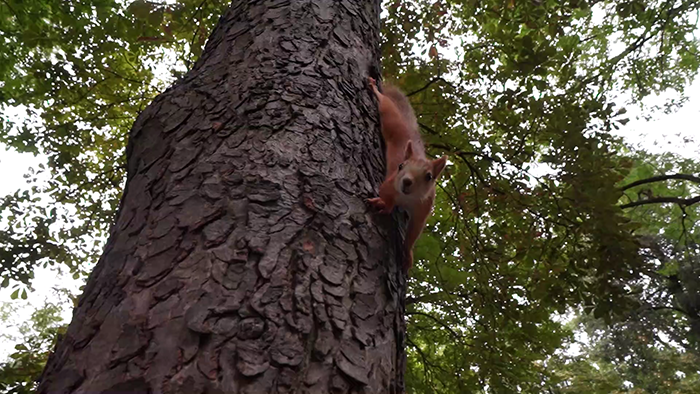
{"points": [[403, 104]]}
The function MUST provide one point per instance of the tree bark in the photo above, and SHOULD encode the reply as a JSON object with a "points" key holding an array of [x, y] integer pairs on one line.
{"points": [[243, 258]]}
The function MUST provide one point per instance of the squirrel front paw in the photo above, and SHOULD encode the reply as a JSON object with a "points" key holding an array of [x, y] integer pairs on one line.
{"points": [[379, 204], [372, 82], [373, 85]]}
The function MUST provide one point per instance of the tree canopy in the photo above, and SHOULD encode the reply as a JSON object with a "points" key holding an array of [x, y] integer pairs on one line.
{"points": [[545, 213]]}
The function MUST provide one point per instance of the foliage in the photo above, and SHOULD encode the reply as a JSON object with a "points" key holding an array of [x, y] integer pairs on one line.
{"points": [[627, 358], [538, 214], [81, 72], [38, 336], [532, 219]]}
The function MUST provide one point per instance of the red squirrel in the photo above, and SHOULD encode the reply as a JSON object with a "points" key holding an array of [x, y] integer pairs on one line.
{"points": [[410, 176]]}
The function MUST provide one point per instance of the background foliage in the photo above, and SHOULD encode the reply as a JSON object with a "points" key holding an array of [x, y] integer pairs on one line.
{"points": [[545, 215], [36, 339]]}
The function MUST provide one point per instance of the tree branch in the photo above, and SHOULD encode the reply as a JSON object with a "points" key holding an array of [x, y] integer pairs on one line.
{"points": [[659, 178], [436, 320], [11, 9], [428, 129], [413, 300], [683, 202], [426, 362], [424, 297], [669, 308], [647, 35], [432, 81], [451, 150]]}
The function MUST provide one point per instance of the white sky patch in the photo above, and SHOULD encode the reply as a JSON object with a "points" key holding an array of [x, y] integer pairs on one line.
{"points": [[45, 279], [677, 132], [13, 167]]}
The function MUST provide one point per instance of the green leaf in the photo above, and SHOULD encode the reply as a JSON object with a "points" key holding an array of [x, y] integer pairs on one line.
{"points": [[140, 9], [669, 269]]}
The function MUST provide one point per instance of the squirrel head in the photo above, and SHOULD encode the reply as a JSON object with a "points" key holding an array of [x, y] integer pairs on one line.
{"points": [[416, 176]]}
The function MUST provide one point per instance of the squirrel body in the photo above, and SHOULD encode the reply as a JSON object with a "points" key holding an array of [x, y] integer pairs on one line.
{"points": [[410, 175]]}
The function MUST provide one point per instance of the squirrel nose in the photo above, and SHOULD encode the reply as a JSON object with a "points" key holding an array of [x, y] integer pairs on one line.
{"points": [[407, 184]]}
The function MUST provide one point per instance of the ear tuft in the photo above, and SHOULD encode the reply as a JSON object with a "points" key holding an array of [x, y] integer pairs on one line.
{"points": [[409, 150], [439, 165]]}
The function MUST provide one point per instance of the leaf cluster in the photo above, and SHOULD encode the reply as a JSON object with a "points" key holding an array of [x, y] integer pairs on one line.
{"points": [[74, 75], [38, 336]]}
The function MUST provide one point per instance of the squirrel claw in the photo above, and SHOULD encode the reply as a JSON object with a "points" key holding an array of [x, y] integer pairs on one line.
{"points": [[373, 85], [379, 204]]}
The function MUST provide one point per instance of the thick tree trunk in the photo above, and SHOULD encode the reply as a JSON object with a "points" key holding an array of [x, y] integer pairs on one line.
{"points": [[243, 259]]}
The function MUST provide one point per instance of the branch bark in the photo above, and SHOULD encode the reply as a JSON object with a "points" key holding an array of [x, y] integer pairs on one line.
{"points": [[427, 85], [661, 178], [438, 321], [683, 202]]}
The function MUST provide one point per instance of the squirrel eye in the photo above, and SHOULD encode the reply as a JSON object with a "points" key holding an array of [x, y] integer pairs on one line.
{"points": [[428, 177], [400, 166]]}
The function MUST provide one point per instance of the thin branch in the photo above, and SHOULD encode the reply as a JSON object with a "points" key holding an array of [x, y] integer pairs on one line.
{"points": [[436, 320], [427, 365], [120, 76], [669, 308], [583, 41], [477, 173], [413, 300], [647, 35], [659, 178], [426, 362], [196, 30], [194, 14], [451, 150], [684, 232], [684, 202], [11, 9], [476, 46], [428, 129], [432, 81]]}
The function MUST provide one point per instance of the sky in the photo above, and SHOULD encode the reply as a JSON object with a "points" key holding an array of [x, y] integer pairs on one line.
{"points": [[13, 166], [677, 132]]}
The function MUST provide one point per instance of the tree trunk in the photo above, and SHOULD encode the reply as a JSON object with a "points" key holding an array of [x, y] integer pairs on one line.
{"points": [[243, 258]]}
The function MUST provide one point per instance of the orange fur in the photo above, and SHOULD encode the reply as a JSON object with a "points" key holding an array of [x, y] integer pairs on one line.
{"points": [[410, 176]]}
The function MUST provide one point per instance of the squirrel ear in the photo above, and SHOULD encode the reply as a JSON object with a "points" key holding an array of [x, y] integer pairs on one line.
{"points": [[409, 150], [439, 165]]}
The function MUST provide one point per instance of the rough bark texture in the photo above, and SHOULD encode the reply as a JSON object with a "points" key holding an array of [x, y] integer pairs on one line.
{"points": [[243, 258]]}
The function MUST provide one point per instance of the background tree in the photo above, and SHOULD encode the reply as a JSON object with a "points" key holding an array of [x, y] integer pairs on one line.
{"points": [[37, 337], [540, 217]]}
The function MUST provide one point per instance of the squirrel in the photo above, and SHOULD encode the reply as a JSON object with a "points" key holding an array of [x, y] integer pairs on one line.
{"points": [[410, 176]]}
